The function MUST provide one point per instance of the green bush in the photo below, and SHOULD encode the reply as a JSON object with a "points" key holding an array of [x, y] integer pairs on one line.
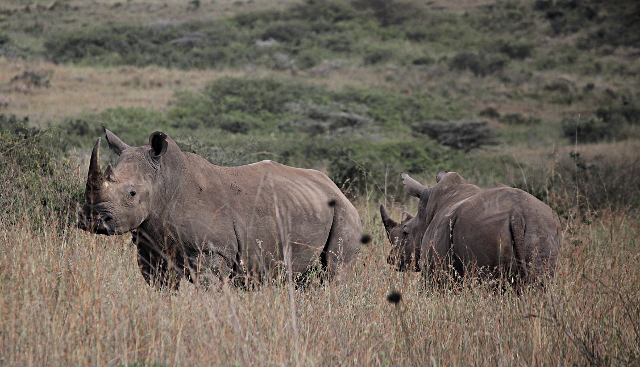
{"points": [[479, 63], [252, 103], [592, 130], [390, 12], [460, 135], [36, 186], [519, 119], [609, 123], [510, 17], [188, 45], [516, 50], [377, 56], [361, 166], [581, 185], [268, 105]]}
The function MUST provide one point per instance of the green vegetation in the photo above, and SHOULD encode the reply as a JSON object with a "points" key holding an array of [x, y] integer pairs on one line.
{"points": [[34, 185], [307, 33]]}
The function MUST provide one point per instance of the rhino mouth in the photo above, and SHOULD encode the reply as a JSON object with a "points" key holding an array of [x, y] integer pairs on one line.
{"points": [[96, 222]]}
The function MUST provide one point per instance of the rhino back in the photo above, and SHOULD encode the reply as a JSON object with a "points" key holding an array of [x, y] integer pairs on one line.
{"points": [[234, 209], [502, 227]]}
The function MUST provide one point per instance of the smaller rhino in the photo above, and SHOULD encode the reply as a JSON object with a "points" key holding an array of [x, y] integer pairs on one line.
{"points": [[459, 227]]}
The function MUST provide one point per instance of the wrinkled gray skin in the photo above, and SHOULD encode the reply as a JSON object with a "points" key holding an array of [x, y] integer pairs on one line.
{"points": [[500, 231], [192, 219]]}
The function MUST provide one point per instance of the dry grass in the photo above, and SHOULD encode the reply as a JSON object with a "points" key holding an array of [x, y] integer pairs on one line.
{"points": [[73, 91], [78, 299]]}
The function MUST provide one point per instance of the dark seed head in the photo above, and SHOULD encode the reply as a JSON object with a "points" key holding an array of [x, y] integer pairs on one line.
{"points": [[365, 239], [332, 203], [394, 297]]}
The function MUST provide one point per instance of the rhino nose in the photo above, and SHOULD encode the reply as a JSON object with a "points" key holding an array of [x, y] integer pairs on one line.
{"points": [[95, 222]]}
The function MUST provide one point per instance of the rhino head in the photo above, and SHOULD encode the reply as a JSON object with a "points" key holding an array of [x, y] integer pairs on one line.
{"points": [[406, 236], [404, 252], [119, 200]]}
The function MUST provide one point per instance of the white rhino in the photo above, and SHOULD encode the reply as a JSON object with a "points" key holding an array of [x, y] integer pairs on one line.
{"points": [[191, 219], [499, 232]]}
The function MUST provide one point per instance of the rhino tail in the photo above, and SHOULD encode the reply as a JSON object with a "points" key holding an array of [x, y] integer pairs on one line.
{"points": [[517, 226]]}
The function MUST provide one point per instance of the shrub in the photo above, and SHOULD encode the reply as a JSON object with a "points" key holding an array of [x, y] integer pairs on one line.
{"points": [[592, 130], [361, 166], [390, 12], [607, 124], [479, 63], [262, 102], [583, 183], [519, 119], [517, 50], [377, 56], [490, 112], [266, 105], [42, 189], [462, 135], [335, 118], [620, 114], [188, 45], [287, 31]]}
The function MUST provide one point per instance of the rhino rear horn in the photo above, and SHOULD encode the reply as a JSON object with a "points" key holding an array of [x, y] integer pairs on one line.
{"points": [[413, 187], [95, 177], [109, 175], [115, 144]]}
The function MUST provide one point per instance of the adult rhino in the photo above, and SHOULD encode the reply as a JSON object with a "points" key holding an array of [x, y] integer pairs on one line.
{"points": [[498, 232], [191, 219]]}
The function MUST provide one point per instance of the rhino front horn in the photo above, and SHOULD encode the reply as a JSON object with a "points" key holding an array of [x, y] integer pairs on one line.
{"points": [[95, 177], [386, 219]]}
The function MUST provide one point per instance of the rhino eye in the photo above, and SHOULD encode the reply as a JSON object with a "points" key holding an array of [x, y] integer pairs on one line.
{"points": [[132, 193]]}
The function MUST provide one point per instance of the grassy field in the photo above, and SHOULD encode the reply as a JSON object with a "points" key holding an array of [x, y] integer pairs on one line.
{"points": [[545, 97], [78, 299]]}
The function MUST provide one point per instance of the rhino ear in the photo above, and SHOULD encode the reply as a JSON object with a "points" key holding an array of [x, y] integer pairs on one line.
{"points": [[115, 144], [158, 142], [414, 188], [440, 175], [406, 217]]}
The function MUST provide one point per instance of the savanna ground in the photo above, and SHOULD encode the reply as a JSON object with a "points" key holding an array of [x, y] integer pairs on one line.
{"points": [[541, 95]]}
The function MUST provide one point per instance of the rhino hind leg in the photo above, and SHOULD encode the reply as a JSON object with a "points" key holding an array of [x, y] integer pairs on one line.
{"points": [[343, 244]]}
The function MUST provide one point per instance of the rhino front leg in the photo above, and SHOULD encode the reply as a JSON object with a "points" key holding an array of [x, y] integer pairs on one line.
{"points": [[158, 269]]}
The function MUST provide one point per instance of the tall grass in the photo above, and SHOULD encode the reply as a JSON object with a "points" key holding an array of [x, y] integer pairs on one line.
{"points": [[71, 298]]}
